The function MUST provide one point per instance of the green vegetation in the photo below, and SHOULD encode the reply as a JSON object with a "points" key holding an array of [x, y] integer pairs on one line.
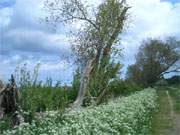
{"points": [[164, 122], [96, 44], [36, 97], [174, 91], [40, 99], [5, 123], [125, 115], [153, 60], [175, 80], [98, 101], [120, 87]]}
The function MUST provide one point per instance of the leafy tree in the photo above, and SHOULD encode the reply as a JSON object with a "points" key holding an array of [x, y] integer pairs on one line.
{"points": [[93, 43], [154, 59]]}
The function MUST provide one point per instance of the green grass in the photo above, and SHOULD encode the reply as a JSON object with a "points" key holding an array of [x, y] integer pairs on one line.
{"points": [[162, 123], [175, 93], [5, 123]]}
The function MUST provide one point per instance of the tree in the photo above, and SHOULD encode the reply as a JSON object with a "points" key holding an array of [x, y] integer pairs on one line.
{"points": [[93, 43], [154, 59]]}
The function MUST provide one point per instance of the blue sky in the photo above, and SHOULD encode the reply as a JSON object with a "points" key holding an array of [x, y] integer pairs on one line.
{"points": [[173, 1], [6, 3], [25, 39]]}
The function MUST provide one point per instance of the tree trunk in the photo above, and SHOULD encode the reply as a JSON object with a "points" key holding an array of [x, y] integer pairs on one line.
{"points": [[8, 102], [1, 98], [83, 84]]}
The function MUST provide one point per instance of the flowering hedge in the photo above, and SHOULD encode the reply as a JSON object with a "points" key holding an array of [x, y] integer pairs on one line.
{"points": [[124, 116]]}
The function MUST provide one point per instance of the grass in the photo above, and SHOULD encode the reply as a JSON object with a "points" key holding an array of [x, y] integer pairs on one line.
{"points": [[175, 93], [162, 122], [5, 123]]}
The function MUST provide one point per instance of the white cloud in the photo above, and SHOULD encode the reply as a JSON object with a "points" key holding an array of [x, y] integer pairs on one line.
{"points": [[154, 18], [36, 41], [149, 18], [5, 14], [51, 66]]}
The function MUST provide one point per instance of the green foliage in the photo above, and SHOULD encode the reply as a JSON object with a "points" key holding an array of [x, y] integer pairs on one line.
{"points": [[119, 87], [173, 80], [162, 122], [161, 82], [126, 115], [5, 123], [76, 83], [36, 96], [95, 40], [175, 93], [39, 99], [153, 60], [42, 98], [100, 79]]}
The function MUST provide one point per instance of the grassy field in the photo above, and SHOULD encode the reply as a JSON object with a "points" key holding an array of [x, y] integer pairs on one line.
{"points": [[175, 93], [163, 122]]}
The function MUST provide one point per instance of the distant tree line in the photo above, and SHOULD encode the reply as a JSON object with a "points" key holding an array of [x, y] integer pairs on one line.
{"points": [[154, 59]]}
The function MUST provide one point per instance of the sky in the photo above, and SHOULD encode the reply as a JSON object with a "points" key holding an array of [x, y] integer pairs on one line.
{"points": [[24, 38]]}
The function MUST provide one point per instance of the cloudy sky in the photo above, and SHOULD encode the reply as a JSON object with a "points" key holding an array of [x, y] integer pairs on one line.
{"points": [[25, 39]]}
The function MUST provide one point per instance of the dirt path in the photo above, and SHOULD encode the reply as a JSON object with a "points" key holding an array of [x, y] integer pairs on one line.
{"points": [[166, 121], [175, 117]]}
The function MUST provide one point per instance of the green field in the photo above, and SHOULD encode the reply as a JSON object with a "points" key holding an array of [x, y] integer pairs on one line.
{"points": [[166, 119]]}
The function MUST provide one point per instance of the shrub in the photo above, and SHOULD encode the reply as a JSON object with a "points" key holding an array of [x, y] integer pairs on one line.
{"points": [[5, 123], [161, 82], [120, 87], [40, 99], [127, 116], [35, 96], [173, 80]]}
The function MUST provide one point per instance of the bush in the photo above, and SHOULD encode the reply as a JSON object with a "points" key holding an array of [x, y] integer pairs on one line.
{"points": [[35, 96], [173, 80], [120, 87], [40, 99], [127, 116], [5, 123], [161, 82]]}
